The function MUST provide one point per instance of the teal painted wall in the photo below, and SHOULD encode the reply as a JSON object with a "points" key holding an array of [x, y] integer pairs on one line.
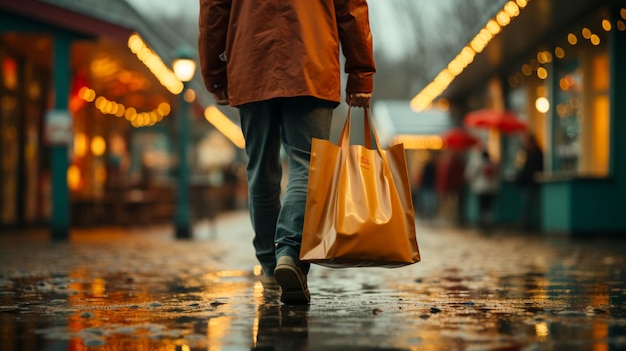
{"points": [[509, 204], [555, 203], [595, 206]]}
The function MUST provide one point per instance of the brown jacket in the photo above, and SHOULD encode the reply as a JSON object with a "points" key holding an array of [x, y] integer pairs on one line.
{"points": [[284, 48]]}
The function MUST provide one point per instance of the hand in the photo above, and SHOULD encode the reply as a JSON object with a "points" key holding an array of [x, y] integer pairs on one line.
{"points": [[359, 99], [221, 97]]}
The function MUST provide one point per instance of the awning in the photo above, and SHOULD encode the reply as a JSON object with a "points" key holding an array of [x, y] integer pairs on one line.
{"points": [[394, 118], [540, 19]]}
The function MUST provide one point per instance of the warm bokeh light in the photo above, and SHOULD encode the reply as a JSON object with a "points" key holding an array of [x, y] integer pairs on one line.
{"points": [[503, 18], [542, 73], [222, 123], [184, 69], [542, 105], [595, 39], [542, 330], [257, 270], [74, 178], [98, 146], [522, 3], [419, 142], [511, 9], [80, 144], [572, 39], [544, 57], [108, 107], [190, 95], [164, 75], [443, 104], [559, 52]]}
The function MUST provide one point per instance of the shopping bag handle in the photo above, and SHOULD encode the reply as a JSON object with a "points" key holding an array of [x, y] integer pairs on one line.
{"points": [[368, 130], [369, 126]]}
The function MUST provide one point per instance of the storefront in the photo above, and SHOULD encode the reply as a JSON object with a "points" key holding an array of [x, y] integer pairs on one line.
{"points": [[558, 65], [24, 91], [87, 116]]}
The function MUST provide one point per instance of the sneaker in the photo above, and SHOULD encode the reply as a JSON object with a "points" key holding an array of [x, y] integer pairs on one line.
{"points": [[292, 282]]}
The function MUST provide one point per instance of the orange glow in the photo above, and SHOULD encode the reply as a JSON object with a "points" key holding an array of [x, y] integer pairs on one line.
{"points": [[164, 75], [503, 18], [511, 9], [419, 142], [542, 73], [559, 52], [98, 287], [80, 145], [493, 27], [542, 105], [190, 95], [9, 71], [108, 107], [544, 57], [522, 3], [595, 39], [601, 135], [443, 104], [98, 146], [74, 178], [222, 123], [572, 39]]}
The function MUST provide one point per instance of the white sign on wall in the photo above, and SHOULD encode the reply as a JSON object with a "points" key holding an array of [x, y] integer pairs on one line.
{"points": [[58, 127]]}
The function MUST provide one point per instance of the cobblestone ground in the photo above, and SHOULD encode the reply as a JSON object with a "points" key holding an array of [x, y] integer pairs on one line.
{"points": [[140, 289]]}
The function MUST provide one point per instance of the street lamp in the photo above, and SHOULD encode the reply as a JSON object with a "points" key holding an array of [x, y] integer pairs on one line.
{"points": [[184, 66]]}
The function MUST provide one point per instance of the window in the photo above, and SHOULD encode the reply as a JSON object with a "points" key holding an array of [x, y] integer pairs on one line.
{"points": [[581, 117], [565, 88]]}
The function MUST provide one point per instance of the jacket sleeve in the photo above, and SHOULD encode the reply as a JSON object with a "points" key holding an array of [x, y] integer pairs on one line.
{"points": [[356, 44], [213, 28]]}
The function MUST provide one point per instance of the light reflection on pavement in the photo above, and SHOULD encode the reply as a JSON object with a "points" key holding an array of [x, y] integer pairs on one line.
{"points": [[139, 289]]}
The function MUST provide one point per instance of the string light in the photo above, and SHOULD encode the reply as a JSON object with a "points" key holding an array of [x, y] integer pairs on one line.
{"points": [[441, 82], [137, 119]]}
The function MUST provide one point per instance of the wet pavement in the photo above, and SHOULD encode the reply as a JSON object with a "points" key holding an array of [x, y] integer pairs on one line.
{"points": [[140, 289]]}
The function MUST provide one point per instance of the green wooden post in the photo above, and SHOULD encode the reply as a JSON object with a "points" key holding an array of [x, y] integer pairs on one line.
{"points": [[183, 216], [60, 217]]}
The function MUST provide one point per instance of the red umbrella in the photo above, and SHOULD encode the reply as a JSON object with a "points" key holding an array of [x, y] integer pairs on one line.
{"points": [[505, 121], [459, 139]]}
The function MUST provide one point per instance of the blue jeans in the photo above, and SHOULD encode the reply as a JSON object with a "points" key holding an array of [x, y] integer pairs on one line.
{"points": [[292, 122]]}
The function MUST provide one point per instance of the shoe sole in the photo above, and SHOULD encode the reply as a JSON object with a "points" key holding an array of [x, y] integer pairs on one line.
{"points": [[292, 288]]}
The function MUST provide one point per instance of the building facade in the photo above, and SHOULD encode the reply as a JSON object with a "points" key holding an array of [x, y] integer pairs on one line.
{"points": [[87, 116], [558, 65]]}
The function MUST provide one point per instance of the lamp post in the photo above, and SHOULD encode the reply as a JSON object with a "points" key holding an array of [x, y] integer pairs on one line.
{"points": [[184, 66]]}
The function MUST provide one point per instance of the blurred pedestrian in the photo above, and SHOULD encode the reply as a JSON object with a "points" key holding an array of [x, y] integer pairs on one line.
{"points": [[449, 183], [532, 165], [484, 180], [278, 62], [426, 193]]}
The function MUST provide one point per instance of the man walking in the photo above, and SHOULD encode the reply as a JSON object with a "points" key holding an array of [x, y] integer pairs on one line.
{"points": [[278, 62]]}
